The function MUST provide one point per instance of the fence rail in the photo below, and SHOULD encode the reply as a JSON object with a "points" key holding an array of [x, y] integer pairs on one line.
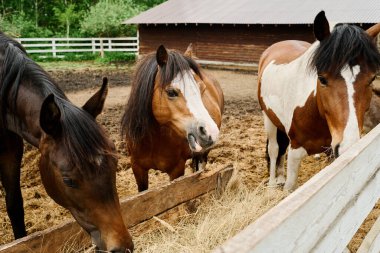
{"points": [[58, 46], [324, 213]]}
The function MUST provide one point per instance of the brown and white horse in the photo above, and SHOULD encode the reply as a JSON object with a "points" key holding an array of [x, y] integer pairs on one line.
{"points": [[315, 96], [174, 113]]}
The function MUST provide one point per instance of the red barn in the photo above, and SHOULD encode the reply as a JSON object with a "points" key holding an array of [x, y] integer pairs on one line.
{"points": [[237, 31]]}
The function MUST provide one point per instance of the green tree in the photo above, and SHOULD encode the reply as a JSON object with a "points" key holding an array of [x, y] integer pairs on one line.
{"points": [[105, 17], [67, 16]]}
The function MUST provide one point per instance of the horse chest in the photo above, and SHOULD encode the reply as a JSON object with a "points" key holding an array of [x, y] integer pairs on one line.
{"points": [[163, 153]]}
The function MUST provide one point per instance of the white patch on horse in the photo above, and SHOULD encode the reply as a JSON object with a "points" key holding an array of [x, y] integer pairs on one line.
{"points": [[190, 89], [295, 157], [351, 132], [284, 87]]}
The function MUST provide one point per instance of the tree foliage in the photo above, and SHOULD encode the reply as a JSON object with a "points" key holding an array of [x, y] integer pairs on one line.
{"points": [[60, 18], [104, 19]]}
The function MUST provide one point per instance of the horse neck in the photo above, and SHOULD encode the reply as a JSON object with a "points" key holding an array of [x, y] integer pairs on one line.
{"points": [[25, 121]]}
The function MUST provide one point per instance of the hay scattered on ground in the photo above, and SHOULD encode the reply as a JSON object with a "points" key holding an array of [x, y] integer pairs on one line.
{"points": [[214, 221]]}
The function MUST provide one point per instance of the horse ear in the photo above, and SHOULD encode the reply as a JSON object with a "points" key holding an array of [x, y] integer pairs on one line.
{"points": [[374, 30], [95, 104], [162, 55], [321, 26], [189, 51], [50, 117]]}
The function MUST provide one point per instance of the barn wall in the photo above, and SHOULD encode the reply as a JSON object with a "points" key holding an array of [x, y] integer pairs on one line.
{"points": [[227, 43]]}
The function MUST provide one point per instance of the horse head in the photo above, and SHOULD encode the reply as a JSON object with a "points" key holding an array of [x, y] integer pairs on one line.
{"points": [[346, 62], [78, 169], [177, 99]]}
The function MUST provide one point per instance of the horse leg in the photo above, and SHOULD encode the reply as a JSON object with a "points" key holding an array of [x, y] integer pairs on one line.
{"points": [[283, 142], [272, 149], [295, 157], [199, 162], [178, 171], [141, 176], [11, 151]]}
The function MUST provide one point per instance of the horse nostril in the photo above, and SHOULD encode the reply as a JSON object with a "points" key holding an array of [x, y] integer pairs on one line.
{"points": [[202, 130]]}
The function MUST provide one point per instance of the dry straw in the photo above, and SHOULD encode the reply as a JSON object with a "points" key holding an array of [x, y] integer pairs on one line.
{"points": [[214, 221]]}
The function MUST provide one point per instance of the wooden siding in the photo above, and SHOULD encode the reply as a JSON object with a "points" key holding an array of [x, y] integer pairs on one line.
{"points": [[227, 43]]}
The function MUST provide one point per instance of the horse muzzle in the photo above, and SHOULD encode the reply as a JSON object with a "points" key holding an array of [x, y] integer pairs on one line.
{"points": [[201, 138], [102, 247]]}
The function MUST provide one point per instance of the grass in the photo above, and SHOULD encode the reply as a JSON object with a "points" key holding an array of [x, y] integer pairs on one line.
{"points": [[111, 60]]}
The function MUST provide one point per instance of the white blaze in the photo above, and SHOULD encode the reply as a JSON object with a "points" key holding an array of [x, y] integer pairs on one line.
{"points": [[351, 132], [190, 90]]}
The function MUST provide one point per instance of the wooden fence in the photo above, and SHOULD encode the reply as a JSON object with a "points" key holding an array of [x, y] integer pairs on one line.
{"points": [[58, 46], [323, 214]]}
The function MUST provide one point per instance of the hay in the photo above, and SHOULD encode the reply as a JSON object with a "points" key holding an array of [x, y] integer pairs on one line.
{"points": [[214, 221]]}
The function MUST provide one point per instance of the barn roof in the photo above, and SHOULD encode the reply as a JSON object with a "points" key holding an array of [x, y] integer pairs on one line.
{"points": [[258, 12]]}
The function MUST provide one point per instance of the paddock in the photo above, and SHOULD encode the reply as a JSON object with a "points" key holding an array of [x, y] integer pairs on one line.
{"points": [[241, 147]]}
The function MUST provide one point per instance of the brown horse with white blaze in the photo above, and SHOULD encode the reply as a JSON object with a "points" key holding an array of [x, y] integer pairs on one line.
{"points": [[174, 113], [314, 96], [78, 161]]}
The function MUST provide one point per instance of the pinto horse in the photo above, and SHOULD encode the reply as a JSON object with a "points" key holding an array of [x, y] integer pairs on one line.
{"points": [[314, 96], [174, 113], [77, 158]]}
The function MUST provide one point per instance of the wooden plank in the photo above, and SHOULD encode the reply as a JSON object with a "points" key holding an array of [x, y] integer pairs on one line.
{"points": [[324, 213], [371, 243], [135, 209], [154, 201]]}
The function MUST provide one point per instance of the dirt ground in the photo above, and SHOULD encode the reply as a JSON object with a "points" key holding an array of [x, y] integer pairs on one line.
{"points": [[242, 144]]}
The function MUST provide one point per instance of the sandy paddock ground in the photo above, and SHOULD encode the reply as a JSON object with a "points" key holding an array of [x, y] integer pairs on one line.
{"points": [[242, 145]]}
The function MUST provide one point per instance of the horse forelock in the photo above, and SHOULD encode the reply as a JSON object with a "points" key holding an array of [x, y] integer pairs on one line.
{"points": [[83, 139], [138, 118], [347, 45]]}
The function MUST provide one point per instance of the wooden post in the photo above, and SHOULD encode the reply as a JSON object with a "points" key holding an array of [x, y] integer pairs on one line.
{"points": [[93, 45], [54, 48], [101, 48]]}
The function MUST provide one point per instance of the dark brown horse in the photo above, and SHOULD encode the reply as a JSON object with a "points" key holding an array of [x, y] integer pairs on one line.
{"points": [[314, 96], [78, 162], [174, 113]]}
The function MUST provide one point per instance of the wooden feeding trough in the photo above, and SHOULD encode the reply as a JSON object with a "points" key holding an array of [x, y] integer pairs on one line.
{"points": [[135, 209]]}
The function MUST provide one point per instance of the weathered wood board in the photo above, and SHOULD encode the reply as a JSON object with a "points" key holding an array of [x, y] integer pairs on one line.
{"points": [[324, 213], [135, 209]]}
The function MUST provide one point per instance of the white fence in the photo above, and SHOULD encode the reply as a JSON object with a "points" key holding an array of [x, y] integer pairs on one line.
{"points": [[323, 214], [59, 46]]}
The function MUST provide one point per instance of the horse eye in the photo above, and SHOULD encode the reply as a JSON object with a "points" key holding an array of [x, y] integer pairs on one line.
{"points": [[322, 80], [172, 93], [69, 182]]}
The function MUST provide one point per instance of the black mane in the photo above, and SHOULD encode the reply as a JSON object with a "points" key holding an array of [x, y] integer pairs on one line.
{"points": [[83, 139], [138, 118], [347, 44]]}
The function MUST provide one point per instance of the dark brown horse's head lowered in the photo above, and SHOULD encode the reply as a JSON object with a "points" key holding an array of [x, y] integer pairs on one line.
{"points": [[78, 162]]}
